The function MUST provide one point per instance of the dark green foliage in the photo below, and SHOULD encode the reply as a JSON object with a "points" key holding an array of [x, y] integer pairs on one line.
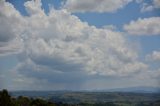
{"points": [[38, 102], [6, 100], [24, 101]]}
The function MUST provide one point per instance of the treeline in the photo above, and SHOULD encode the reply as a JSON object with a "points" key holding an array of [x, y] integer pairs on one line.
{"points": [[7, 100]]}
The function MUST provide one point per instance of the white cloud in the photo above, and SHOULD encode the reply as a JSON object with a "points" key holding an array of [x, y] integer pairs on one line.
{"points": [[10, 28], [34, 8], [155, 56], [146, 7], [52, 41], [12, 47], [146, 26], [94, 5], [59, 48]]}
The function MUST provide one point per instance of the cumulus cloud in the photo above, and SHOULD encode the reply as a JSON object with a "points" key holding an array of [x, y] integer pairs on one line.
{"points": [[59, 48], [94, 5], [10, 28], [63, 43], [155, 56], [146, 26]]}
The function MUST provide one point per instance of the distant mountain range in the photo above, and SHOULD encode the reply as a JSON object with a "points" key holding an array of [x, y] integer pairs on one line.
{"points": [[137, 89], [141, 89]]}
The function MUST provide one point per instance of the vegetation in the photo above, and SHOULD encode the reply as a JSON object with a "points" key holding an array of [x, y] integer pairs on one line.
{"points": [[82, 99], [7, 100]]}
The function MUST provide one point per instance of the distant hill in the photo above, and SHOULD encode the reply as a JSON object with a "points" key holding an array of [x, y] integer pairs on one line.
{"points": [[45, 94], [137, 89]]}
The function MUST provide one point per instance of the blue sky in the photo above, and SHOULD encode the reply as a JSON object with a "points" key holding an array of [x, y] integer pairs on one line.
{"points": [[77, 45]]}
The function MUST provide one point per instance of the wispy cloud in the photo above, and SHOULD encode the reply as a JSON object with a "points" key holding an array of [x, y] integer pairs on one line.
{"points": [[146, 7]]}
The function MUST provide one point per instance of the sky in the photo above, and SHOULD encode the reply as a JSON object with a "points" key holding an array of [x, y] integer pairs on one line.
{"points": [[79, 44]]}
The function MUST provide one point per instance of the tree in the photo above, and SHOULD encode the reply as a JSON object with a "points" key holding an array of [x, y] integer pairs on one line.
{"points": [[5, 99], [23, 101]]}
